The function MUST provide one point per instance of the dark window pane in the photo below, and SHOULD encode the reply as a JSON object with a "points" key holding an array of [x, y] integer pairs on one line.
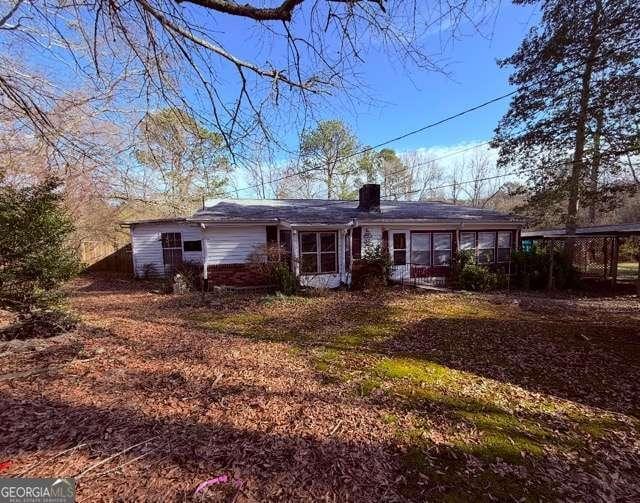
{"points": [[285, 240], [327, 242], [172, 257], [486, 240], [171, 240], [468, 241], [442, 242], [504, 254], [328, 262], [420, 257], [399, 241], [272, 234], [308, 242], [308, 263], [504, 240], [442, 257], [485, 256], [399, 257], [357, 242], [193, 246], [347, 251]]}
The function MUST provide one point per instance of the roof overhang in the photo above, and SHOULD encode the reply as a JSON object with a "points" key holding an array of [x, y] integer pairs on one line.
{"points": [[173, 220]]}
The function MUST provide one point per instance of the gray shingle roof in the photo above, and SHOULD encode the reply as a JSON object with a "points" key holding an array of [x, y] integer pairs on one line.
{"points": [[309, 211]]}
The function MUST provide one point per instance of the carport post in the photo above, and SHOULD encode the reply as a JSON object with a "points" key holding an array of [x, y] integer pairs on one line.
{"points": [[551, 249], [614, 263]]}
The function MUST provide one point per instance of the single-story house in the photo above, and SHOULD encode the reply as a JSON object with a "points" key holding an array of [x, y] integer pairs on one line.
{"points": [[322, 238]]}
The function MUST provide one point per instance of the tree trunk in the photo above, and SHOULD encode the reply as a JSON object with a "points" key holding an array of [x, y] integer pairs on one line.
{"points": [[581, 125], [595, 168]]}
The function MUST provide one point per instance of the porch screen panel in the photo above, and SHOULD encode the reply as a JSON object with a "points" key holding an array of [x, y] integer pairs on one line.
{"points": [[441, 248], [504, 246], [328, 252], [308, 252], [421, 248], [468, 241], [486, 247]]}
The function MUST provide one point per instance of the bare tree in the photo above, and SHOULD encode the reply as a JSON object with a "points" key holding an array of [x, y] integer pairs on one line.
{"points": [[480, 184], [302, 51], [425, 175]]}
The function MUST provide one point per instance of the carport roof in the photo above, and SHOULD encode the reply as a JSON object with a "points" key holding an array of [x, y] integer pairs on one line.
{"points": [[598, 230]]}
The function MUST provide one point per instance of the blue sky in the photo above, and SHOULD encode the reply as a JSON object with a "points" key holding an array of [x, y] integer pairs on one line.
{"points": [[409, 102]]}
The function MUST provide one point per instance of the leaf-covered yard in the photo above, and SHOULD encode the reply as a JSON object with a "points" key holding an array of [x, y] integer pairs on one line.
{"points": [[395, 396]]}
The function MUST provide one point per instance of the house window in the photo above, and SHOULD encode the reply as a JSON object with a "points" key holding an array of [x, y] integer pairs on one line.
{"points": [[442, 249], [468, 241], [486, 247], [318, 252], [504, 246], [171, 249], [399, 248], [421, 248], [192, 246], [431, 248]]}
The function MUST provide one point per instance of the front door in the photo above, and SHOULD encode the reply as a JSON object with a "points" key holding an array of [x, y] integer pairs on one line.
{"points": [[399, 247], [171, 250]]}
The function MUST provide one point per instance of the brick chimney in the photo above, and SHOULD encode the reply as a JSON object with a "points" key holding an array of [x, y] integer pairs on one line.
{"points": [[369, 197]]}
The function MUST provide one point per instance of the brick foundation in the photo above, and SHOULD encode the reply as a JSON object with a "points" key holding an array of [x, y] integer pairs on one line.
{"points": [[236, 275]]}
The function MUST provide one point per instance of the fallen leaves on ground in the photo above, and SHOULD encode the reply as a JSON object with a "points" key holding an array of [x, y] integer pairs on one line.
{"points": [[396, 395]]}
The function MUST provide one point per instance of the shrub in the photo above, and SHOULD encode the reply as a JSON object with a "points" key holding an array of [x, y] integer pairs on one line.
{"points": [[191, 274], [477, 278], [531, 269], [284, 279], [271, 260], [373, 270], [35, 256]]}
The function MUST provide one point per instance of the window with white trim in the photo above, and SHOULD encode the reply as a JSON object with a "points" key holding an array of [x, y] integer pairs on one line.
{"points": [[318, 252], [399, 248]]}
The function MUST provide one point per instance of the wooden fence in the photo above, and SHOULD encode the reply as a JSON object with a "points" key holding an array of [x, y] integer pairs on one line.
{"points": [[106, 257]]}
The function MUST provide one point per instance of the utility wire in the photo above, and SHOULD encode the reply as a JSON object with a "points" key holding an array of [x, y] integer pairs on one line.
{"points": [[412, 132]]}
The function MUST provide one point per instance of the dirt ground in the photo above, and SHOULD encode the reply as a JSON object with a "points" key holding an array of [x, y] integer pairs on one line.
{"points": [[389, 396]]}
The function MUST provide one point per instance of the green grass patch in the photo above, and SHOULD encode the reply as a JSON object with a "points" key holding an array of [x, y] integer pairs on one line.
{"points": [[415, 370], [368, 386]]}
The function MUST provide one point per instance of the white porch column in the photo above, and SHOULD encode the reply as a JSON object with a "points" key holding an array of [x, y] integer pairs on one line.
{"points": [[295, 252], [203, 234], [341, 263]]}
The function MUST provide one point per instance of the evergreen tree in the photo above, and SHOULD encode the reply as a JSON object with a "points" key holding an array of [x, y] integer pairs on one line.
{"points": [[574, 117], [35, 258]]}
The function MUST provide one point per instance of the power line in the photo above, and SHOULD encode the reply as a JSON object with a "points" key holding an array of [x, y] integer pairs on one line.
{"points": [[414, 131]]}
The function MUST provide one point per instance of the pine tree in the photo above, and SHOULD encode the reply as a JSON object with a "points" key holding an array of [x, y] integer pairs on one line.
{"points": [[574, 117]]}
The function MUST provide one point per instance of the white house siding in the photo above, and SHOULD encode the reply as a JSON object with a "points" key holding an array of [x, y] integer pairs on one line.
{"points": [[371, 236], [147, 247], [233, 245]]}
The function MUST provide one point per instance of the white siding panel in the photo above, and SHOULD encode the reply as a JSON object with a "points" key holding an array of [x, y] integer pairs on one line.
{"points": [[233, 245], [372, 236], [147, 247]]}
